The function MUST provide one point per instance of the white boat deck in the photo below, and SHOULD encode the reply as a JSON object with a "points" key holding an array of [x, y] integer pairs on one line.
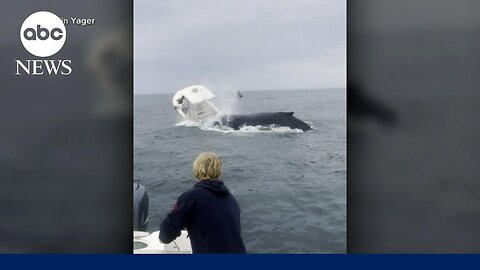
{"points": [[148, 243]]}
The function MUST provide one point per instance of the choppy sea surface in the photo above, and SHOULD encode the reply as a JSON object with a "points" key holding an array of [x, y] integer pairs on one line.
{"points": [[291, 185]]}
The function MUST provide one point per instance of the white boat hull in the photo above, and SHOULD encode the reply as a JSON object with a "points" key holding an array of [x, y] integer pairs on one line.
{"points": [[193, 103]]}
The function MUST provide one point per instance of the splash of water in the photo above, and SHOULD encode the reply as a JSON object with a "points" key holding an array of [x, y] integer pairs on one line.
{"points": [[226, 97]]}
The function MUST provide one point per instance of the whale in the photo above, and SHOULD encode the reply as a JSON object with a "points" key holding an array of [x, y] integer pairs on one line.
{"points": [[284, 119]]}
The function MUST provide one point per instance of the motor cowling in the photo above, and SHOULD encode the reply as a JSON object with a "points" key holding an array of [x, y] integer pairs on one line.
{"points": [[140, 207]]}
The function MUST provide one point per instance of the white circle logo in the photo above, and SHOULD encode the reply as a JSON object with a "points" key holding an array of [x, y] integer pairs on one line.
{"points": [[43, 34]]}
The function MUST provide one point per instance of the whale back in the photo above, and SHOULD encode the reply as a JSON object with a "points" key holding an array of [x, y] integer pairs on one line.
{"points": [[285, 119]]}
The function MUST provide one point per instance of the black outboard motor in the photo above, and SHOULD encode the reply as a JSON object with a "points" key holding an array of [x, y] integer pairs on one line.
{"points": [[140, 207]]}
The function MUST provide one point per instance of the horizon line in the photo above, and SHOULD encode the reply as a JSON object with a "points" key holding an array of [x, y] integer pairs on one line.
{"points": [[252, 90]]}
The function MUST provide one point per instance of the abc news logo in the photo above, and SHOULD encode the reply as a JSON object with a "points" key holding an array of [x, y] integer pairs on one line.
{"points": [[43, 34]]}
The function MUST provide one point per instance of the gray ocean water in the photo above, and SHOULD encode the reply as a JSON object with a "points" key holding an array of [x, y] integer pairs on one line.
{"points": [[291, 185]]}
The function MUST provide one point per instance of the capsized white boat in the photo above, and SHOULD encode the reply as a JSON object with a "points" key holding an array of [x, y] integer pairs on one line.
{"points": [[193, 103], [149, 243]]}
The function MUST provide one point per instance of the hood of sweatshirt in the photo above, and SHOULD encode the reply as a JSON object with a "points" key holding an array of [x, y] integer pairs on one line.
{"points": [[215, 186]]}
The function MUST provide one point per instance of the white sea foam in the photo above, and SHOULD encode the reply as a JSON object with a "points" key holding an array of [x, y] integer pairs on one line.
{"points": [[188, 123], [209, 126]]}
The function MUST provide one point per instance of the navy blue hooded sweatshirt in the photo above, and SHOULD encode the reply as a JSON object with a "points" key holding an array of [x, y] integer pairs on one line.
{"points": [[211, 216]]}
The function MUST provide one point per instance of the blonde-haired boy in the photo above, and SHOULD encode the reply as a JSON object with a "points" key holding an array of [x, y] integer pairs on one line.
{"points": [[208, 211]]}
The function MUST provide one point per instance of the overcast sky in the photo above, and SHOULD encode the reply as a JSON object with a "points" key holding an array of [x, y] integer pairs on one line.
{"points": [[239, 44]]}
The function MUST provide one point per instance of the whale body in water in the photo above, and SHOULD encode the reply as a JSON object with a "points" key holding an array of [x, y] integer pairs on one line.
{"points": [[194, 103], [284, 119]]}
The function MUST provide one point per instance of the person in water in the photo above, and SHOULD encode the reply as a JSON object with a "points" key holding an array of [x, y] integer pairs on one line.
{"points": [[208, 211]]}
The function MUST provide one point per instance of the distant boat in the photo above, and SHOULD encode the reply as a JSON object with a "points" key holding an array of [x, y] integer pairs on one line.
{"points": [[239, 94]]}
